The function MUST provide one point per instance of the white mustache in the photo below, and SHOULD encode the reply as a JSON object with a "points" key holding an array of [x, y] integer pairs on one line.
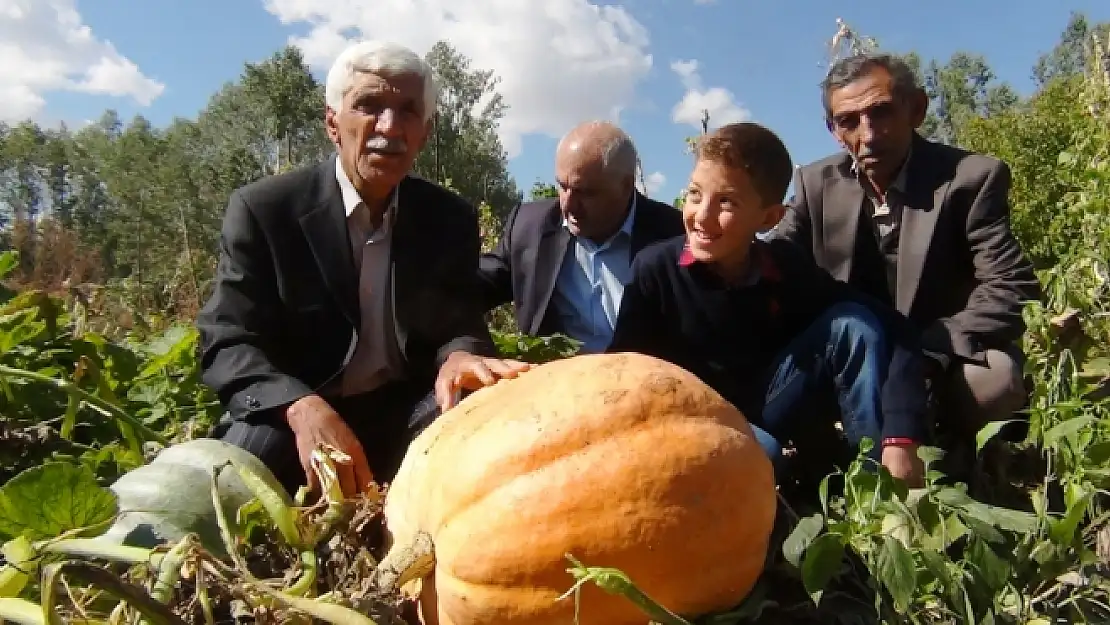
{"points": [[383, 144]]}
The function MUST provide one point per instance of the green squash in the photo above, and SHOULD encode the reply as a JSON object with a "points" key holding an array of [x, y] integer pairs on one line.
{"points": [[171, 496]]}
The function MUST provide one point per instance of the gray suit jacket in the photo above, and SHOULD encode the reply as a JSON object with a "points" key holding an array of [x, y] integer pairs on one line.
{"points": [[962, 277]]}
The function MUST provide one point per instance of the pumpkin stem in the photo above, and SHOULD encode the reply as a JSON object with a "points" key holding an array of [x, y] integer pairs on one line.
{"points": [[406, 562]]}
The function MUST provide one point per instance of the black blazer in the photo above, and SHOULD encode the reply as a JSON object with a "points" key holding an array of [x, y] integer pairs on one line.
{"points": [[962, 276], [523, 266], [281, 321]]}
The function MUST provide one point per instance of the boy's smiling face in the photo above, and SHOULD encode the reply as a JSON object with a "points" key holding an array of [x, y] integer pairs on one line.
{"points": [[722, 213]]}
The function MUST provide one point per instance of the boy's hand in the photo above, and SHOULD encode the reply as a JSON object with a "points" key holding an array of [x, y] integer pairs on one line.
{"points": [[903, 463]]}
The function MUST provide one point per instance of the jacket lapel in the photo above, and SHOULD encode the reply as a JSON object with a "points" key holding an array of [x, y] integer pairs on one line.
{"points": [[325, 228], [404, 259], [554, 241], [644, 230], [920, 211], [844, 195]]}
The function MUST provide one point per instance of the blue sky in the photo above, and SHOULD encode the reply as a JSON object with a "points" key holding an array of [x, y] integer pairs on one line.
{"points": [[562, 60]]}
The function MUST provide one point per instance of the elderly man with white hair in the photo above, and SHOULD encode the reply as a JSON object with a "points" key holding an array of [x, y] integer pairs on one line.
{"points": [[345, 306]]}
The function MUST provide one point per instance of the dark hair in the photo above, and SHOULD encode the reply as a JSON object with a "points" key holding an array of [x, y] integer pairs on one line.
{"points": [[852, 68], [756, 150]]}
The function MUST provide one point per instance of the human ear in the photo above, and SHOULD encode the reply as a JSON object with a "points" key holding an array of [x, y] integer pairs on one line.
{"points": [[331, 124], [836, 134], [919, 107], [772, 215]]}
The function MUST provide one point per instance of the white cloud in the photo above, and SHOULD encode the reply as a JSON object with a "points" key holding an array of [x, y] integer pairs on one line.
{"points": [[720, 102], [560, 62], [654, 181], [44, 47]]}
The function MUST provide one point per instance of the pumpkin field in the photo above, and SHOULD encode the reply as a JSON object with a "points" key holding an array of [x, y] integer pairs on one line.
{"points": [[93, 389]]}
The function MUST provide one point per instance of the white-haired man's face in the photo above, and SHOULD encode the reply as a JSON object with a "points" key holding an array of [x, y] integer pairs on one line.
{"points": [[379, 130]]}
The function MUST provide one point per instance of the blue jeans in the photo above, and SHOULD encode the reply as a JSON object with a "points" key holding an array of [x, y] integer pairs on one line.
{"points": [[837, 366]]}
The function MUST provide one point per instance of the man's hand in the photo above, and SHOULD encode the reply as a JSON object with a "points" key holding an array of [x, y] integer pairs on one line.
{"points": [[463, 370], [314, 421], [903, 463]]}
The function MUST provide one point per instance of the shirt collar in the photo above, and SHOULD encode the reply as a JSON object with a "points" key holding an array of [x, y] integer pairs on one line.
{"points": [[352, 200], [763, 265], [626, 227]]}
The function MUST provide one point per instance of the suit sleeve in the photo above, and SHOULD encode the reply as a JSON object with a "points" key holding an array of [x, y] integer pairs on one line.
{"points": [[993, 315], [795, 223], [237, 325], [640, 324], [495, 270], [464, 324]]}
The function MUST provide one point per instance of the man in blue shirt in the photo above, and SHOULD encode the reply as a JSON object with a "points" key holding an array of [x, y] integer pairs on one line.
{"points": [[563, 262]]}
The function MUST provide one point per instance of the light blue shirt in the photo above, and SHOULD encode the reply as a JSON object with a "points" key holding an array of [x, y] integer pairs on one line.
{"points": [[590, 285]]}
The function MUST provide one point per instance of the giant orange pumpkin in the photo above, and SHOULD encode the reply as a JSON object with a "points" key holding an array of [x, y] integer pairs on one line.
{"points": [[620, 460]]}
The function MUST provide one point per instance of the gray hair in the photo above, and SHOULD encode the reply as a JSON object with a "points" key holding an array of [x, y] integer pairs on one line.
{"points": [[383, 59], [619, 156], [852, 68]]}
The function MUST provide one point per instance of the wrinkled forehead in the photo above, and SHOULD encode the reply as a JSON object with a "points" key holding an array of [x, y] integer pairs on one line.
{"points": [[404, 86], [579, 166], [873, 88]]}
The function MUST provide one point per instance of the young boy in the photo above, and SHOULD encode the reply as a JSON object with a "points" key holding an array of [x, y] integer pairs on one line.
{"points": [[782, 340]]}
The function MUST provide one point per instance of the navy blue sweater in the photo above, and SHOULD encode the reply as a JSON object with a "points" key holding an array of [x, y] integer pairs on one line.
{"points": [[678, 310]]}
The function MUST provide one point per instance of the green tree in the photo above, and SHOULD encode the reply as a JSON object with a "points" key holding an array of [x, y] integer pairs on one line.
{"points": [[542, 190], [275, 111], [22, 155], [1071, 55], [464, 147], [962, 88], [291, 102], [1030, 139]]}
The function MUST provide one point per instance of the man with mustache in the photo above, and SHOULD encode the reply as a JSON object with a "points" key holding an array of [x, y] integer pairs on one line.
{"points": [[923, 226], [564, 262], [346, 291]]}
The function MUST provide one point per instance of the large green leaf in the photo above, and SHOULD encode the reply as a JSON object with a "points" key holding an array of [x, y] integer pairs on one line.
{"points": [[822, 561], [56, 497], [898, 572], [9, 260], [801, 538], [169, 348]]}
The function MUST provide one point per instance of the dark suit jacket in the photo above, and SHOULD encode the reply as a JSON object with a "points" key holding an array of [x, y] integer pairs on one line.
{"points": [[523, 267], [282, 317], [962, 276]]}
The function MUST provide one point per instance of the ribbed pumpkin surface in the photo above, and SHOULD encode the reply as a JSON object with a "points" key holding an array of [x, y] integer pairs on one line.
{"points": [[621, 460]]}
